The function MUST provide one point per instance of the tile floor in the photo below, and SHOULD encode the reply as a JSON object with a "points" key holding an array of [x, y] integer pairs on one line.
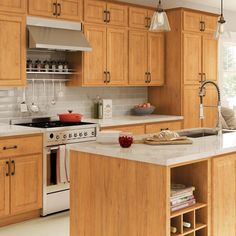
{"points": [[55, 225]]}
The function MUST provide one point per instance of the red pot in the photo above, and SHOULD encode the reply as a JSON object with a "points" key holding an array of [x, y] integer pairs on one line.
{"points": [[70, 117]]}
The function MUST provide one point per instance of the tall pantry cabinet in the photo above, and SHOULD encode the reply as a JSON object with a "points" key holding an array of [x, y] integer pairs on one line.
{"points": [[191, 58], [12, 43]]}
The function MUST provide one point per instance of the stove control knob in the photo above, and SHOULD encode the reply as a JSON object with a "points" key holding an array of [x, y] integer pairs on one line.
{"points": [[70, 135], [75, 135], [80, 134], [93, 133], [85, 134], [51, 136], [64, 136], [57, 137]]}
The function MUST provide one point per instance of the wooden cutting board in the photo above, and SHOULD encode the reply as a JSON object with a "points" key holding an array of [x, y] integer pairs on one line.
{"points": [[165, 142]]}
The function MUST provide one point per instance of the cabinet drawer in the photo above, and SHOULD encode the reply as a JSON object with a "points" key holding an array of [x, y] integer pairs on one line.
{"points": [[153, 128], [19, 146], [134, 129]]}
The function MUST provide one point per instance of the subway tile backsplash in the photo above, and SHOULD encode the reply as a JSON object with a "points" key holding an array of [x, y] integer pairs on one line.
{"points": [[67, 98]]}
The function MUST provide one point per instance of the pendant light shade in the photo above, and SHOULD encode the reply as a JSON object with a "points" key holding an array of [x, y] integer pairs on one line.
{"points": [[221, 31], [160, 20]]}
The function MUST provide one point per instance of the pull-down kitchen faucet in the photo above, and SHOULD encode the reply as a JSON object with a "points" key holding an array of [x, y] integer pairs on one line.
{"points": [[201, 95]]}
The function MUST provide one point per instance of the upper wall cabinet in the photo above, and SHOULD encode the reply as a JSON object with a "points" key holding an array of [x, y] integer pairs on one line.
{"points": [[198, 22], [13, 50], [61, 9], [105, 13], [140, 17], [18, 6]]}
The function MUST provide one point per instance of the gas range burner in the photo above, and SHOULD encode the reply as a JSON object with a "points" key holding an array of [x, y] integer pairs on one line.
{"points": [[52, 124]]}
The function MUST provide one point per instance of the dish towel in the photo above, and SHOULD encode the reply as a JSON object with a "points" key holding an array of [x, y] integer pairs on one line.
{"points": [[67, 165], [62, 160]]}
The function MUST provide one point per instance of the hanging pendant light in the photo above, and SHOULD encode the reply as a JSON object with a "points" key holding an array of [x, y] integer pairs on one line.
{"points": [[221, 31], [159, 20]]}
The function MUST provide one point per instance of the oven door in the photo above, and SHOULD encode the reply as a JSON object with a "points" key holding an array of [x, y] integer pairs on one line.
{"points": [[57, 169]]}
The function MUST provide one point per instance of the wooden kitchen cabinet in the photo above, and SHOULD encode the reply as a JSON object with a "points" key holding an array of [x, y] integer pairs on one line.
{"points": [[134, 129], [13, 50], [61, 9], [192, 60], [105, 13], [95, 61], [20, 178], [140, 18], [117, 56], [224, 195], [109, 57], [138, 54], [26, 183], [4, 193], [146, 58], [17, 6]]}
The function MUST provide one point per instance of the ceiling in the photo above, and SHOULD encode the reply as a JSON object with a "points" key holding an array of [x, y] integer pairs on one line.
{"points": [[228, 4]]}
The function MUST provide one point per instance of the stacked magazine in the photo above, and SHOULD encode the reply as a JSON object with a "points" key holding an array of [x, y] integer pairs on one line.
{"points": [[181, 197]]}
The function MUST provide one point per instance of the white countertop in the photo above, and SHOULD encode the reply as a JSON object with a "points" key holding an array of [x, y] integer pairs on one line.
{"points": [[132, 120], [165, 155], [12, 130]]}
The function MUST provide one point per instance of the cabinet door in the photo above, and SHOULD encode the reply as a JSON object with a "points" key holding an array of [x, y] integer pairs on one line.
{"points": [[192, 58], [13, 5], [156, 58], [134, 129], [13, 50], [45, 8], [4, 183], [138, 61], [138, 18], [95, 61], [26, 183], [224, 195], [192, 21], [210, 102], [94, 11], [118, 14], [117, 55], [191, 103], [210, 57], [70, 9], [210, 23]]}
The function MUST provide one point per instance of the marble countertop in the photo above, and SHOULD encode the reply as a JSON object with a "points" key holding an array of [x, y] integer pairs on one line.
{"points": [[12, 130], [133, 120], [165, 155]]}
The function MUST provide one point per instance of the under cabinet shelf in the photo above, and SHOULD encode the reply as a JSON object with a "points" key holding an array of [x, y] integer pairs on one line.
{"points": [[51, 72]]}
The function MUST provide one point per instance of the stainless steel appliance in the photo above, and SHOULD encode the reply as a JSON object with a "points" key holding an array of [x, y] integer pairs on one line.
{"points": [[56, 176]]}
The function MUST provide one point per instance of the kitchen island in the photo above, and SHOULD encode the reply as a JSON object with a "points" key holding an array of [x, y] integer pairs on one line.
{"points": [[121, 192]]}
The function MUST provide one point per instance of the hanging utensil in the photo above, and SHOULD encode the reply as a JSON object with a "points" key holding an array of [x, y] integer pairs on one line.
{"points": [[33, 107], [23, 105], [60, 93], [53, 102]]}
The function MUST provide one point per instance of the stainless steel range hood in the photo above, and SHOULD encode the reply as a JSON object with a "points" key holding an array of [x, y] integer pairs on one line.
{"points": [[56, 35]]}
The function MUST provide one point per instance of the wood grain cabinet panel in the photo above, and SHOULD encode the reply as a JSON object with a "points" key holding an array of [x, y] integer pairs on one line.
{"points": [[192, 60], [18, 6], [156, 58], [5, 184], [210, 23], [210, 57], [138, 18], [26, 183], [70, 9], [94, 11], [117, 56], [192, 21], [138, 53], [134, 129], [118, 14], [45, 8], [224, 195], [13, 50], [95, 61]]}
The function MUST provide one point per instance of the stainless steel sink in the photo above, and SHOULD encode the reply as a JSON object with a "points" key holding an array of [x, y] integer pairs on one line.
{"points": [[197, 133]]}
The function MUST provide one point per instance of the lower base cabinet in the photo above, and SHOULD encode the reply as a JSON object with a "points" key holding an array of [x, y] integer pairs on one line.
{"points": [[20, 178], [224, 195]]}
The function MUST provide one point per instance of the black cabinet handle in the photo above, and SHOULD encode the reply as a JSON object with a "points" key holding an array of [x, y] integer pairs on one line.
{"points": [[59, 7], [109, 77], [8, 168], [105, 16], [14, 168], [10, 147], [149, 77], [105, 75], [147, 22], [54, 5], [109, 16]]}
